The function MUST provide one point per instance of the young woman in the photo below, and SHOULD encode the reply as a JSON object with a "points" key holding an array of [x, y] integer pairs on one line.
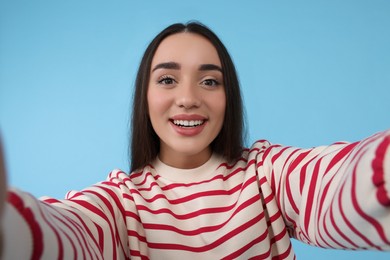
{"points": [[194, 191]]}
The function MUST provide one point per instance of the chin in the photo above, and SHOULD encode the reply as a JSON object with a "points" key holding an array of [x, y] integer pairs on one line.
{"points": [[191, 149]]}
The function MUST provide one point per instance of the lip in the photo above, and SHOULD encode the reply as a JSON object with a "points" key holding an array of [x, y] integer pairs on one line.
{"points": [[188, 131]]}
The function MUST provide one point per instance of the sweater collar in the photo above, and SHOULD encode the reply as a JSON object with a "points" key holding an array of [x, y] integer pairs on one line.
{"points": [[188, 175]]}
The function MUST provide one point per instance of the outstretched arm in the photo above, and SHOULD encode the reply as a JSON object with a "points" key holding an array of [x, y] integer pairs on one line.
{"points": [[3, 186], [336, 196], [90, 224]]}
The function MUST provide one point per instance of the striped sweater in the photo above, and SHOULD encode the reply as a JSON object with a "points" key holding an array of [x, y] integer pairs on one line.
{"points": [[335, 196]]}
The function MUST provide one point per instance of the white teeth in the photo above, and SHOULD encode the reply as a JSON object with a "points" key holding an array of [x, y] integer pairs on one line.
{"points": [[188, 123]]}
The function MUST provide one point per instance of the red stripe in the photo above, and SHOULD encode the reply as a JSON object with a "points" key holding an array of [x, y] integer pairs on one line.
{"points": [[74, 195], [334, 225], [263, 180], [202, 230], [269, 198], [268, 150], [303, 171], [130, 214], [189, 197], [122, 215], [378, 177], [100, 237], [302, 177], [190, 215], [127, 196], [285, 254], [349, 224], [337, 158], [108, 204], [142, 182], [310, 195], [325, 193], [328, 233], [51, 200], [340, 155], [101, 214], [68, 237], [279, 236], [342, 212], [197, 195], [83, 227], [290, 224], [245, 248], [115, 174], [138, 253], [290, 169], [320, 207], [377, 225], [212, 245], [132, 233], [357, 156], [194, 213], [222, 177], [135, 175], [118, 203], [297, 160], [29, 217], [57, 235], [80, 226], [230, 166], [150, 187]]}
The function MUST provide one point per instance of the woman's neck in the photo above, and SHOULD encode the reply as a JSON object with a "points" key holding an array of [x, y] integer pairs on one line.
{"points": [[183, 160]]}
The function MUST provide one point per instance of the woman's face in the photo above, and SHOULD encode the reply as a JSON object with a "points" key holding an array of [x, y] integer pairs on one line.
{"points": [[186, 99]]}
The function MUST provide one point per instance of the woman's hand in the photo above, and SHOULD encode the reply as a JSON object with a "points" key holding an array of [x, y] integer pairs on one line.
{"points": [[3, 188]]}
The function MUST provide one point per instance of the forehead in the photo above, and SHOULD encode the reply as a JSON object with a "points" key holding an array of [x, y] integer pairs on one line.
{"points": [[186, 48]]}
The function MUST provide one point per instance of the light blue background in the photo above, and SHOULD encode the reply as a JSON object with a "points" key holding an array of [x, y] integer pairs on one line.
{"points": [[312, 72]]}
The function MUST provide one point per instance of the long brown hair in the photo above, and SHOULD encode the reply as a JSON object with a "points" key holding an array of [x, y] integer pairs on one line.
{"points": [[145, 143]]}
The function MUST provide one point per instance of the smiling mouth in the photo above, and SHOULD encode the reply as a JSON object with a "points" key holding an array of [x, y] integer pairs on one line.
{"points": [[188, 123]]}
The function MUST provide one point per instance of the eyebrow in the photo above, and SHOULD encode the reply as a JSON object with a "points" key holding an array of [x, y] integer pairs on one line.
{"points": [[205, 67], [176, 66], [167, 65]]}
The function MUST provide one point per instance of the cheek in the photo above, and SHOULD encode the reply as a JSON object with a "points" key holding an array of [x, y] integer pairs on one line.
{"points": [[219, 104], [157, 103]]}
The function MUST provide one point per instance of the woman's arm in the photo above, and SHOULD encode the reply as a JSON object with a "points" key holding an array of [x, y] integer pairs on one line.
{"points": [[90, 224], [336, 196]]}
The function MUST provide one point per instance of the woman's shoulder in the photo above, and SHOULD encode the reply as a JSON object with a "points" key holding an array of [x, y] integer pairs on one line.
{"points": [[249, 154], [258, 147], [118, 175]]}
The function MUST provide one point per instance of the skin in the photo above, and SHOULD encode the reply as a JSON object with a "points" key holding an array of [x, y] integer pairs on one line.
{"points": [[186, 82], [2, 191]]}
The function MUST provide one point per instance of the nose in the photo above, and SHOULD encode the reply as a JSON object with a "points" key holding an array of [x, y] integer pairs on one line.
{"points": [[188, 96]]}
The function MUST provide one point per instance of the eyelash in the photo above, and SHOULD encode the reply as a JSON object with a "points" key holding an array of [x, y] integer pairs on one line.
{"points": [[214, 82], [163, 80], [169, 80]]}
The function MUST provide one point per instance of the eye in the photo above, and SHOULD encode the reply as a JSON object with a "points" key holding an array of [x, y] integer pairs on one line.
{"points": [[166, 80], [210, 82]]}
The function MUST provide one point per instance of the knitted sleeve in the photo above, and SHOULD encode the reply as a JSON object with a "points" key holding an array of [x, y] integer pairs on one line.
{"points": [[335, 196], [91, 224]]}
